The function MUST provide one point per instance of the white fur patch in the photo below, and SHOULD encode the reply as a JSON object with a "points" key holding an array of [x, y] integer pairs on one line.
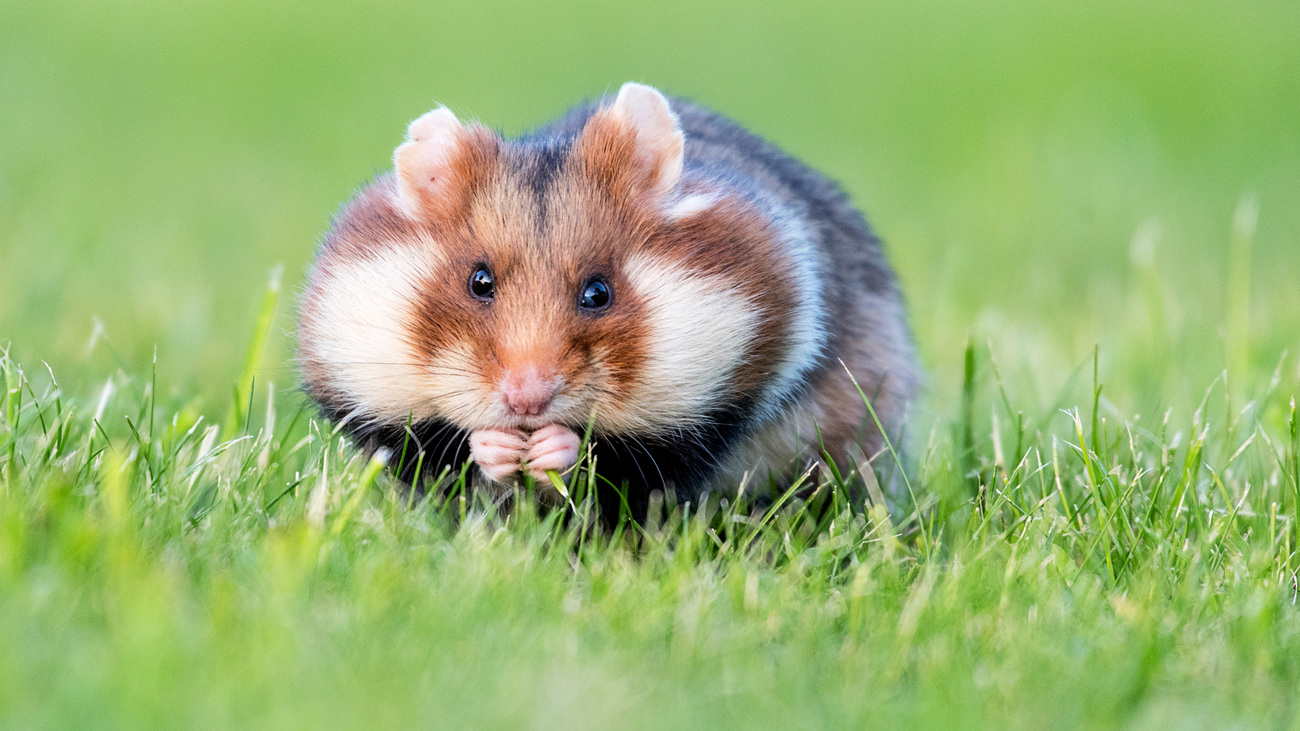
{"points": [[689, 205], [358, 332], [699, 329]]}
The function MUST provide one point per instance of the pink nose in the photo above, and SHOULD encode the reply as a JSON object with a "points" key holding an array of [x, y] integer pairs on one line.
{"points": [[527, 393]]}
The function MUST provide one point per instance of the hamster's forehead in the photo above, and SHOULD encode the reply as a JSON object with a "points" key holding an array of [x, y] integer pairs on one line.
{"points": [[540, 210]]}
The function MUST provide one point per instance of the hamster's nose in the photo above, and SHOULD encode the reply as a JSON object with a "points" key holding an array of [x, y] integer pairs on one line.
{"points": [[528, 392]]}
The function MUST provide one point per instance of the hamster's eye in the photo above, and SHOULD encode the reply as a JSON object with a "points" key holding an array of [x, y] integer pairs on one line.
{"points": [[481, 284], [595, 295]]}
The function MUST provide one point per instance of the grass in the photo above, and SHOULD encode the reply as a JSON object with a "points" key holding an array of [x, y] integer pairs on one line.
{"points": [[1096, 573], [1091, 207]]}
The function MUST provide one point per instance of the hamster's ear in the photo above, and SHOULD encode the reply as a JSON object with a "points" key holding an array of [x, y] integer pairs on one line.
{"points": [[440, 165], [635, 144]]}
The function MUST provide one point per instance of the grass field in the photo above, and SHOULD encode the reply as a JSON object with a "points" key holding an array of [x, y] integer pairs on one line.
{"points": [[1094, 209]]}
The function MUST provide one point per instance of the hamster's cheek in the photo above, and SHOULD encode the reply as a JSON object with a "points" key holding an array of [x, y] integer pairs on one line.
{"points": [[355, 332], [698, 328]]}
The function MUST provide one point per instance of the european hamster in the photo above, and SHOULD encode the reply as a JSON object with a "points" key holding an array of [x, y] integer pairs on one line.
{"points": [[644, 265]]}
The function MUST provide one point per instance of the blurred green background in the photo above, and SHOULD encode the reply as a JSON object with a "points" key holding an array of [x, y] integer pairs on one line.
{"points": [[1048, 176]]}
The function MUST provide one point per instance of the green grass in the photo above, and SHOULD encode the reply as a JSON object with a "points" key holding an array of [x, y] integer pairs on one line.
{"points": [[1092, 208], [1097, 573]]}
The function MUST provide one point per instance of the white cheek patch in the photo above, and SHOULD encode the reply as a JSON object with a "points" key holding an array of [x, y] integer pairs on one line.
{"points": [[700, 327], [358, 327]]}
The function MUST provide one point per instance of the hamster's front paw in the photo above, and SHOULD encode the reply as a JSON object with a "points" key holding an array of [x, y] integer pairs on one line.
{"points": [[498, 452], [553, 447]]}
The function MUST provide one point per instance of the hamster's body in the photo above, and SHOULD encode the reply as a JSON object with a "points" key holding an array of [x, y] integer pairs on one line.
{"points": [[648, 264]]}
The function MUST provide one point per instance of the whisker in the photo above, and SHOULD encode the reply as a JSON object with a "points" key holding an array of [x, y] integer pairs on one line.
{"points": [[457, 442], [653, 462], [631, 457]]}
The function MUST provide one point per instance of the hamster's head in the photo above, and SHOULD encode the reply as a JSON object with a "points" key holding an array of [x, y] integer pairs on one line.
{"points": [[495, 284]]}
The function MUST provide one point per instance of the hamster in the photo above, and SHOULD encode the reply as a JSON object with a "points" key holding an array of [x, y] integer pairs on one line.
{"points": [[643, 265]]}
